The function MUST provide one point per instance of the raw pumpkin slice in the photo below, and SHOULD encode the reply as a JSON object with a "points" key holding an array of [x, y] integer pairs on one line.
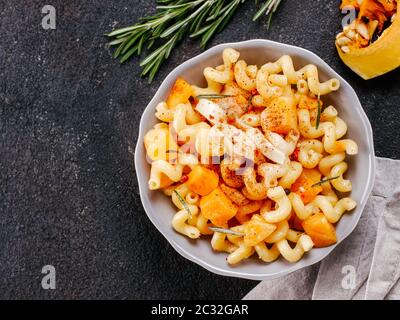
{"points": [[355, 45]]}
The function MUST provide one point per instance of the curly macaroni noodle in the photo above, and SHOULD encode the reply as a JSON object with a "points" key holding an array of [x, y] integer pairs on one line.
{"points": [[219, 243], [284, 64], [310, 73], [265, 89], [326, 163], [265, 254], [310, 153], [283, 209], [304, 244], [179, 222], [242, 77], [225, 75], [302, 211], [288, 144], [334, 213], [293, 173], [339, 183]]}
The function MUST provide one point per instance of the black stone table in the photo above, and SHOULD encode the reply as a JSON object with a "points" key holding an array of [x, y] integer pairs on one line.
{"points": [[69, 118]]}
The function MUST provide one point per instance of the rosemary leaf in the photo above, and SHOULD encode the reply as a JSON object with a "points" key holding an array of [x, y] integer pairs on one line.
{"points": [[140, 44], [324, 181], [262, 10], [155, 54], [183, 202], [122, 30], [198, 21], [128, 54], [116, 41], [155, 69], [226, 231], [269, 21], [132, 40], [318, 113], [215, 11], [213, 96]]}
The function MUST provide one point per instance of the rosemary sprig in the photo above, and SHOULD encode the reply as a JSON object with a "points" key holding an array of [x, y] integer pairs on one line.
{"points": [[268, 9], [213, 96], [226, 231], [324, 181], [318, 113], [173, 21], [183, 202]]}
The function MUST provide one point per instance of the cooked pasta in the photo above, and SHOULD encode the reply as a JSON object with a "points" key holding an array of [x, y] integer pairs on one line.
{"points": [[254, 160], [242, 77], [304, 244]]}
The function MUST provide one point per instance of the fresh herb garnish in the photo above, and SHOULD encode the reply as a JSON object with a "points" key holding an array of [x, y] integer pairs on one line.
{"points": [[227, 231], [324, 180], [268, 8], [173, 21], [213, 96], [318, 113], [183, 202]]}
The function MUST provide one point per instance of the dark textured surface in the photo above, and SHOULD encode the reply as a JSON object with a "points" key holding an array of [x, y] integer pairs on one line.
{"points": [[69, 118]]}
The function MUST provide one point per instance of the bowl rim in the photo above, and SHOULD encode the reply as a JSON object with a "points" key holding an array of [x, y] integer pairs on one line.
{"points": [[217, 49]]}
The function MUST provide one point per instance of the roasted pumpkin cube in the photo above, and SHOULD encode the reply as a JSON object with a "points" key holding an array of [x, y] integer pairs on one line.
{"points": [[256, 230], [202, 180], [217, 208], [165, 181], [180, 93], [305, 186], [279, 117], [309, 103], [321, 231]]}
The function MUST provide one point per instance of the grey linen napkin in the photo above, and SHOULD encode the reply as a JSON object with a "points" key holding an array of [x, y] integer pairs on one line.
{"points": [[366, 265]]}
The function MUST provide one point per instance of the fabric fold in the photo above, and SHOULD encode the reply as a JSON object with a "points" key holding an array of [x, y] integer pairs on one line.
{"points": [[366, 265]]}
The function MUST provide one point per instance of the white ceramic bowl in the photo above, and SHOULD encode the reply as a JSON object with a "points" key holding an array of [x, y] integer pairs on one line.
{"points": [[361, 167]]}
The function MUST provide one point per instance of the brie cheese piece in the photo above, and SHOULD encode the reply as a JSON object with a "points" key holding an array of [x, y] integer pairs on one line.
{"points": [[211, 111]]}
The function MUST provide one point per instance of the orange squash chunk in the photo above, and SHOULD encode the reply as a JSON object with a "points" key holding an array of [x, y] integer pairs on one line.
{"points": [[307, 102], [303, 186], [218, 208], [180, 93], [256, 230], [279, 117], [165, 181], [321, 231], [202, 180]]}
